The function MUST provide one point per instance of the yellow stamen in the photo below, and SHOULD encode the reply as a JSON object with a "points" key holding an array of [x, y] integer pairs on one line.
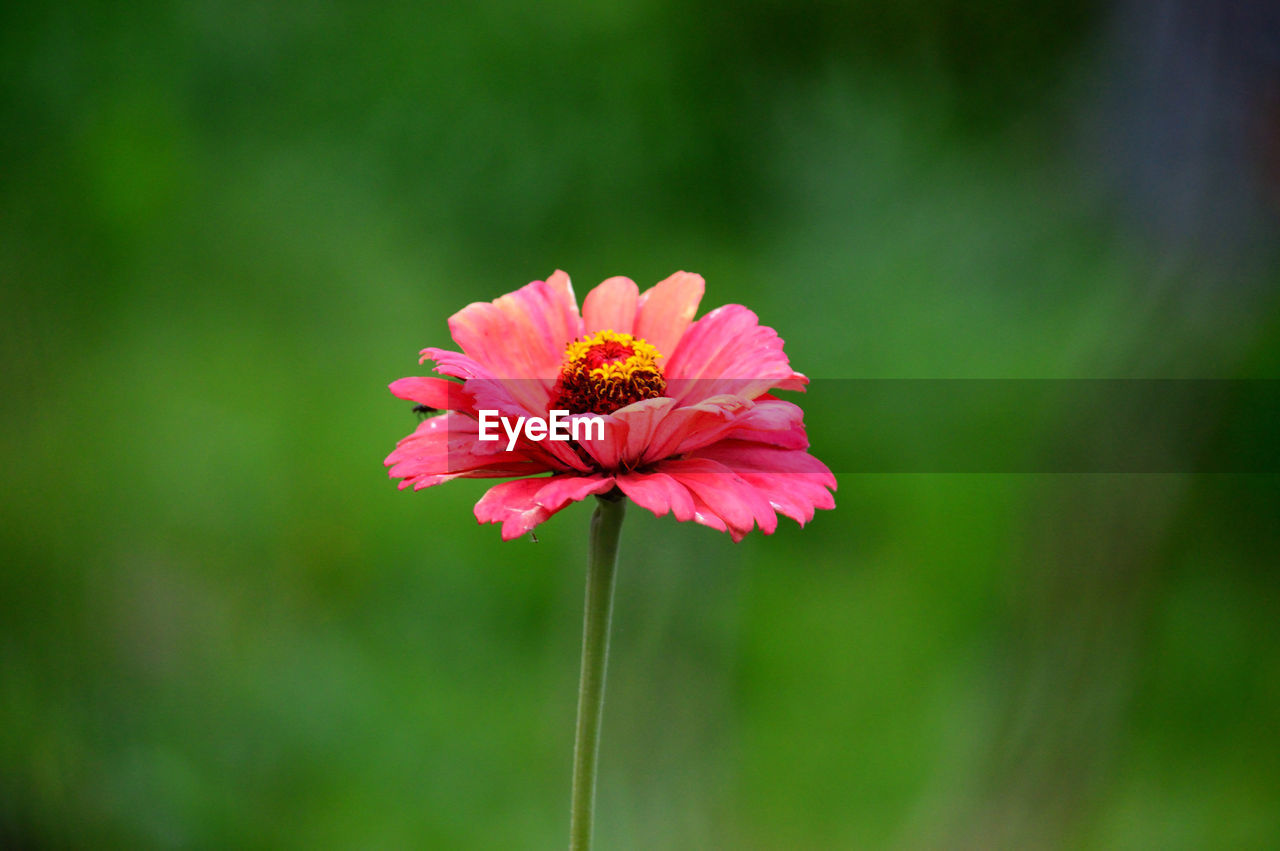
{"points": [[608, 370]]}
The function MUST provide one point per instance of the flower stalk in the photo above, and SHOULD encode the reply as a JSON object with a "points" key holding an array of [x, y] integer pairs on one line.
{"points": [[606, 523]]}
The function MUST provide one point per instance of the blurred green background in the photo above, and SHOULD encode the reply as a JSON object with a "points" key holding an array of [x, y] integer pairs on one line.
{"points": [[224, 228]]}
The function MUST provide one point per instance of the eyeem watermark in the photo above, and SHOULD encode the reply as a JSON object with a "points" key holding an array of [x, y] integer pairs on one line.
{"points": [[557, 427]]}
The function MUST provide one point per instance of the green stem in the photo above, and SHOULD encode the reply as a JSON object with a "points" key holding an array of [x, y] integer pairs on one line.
{"points": [[605, 525]]}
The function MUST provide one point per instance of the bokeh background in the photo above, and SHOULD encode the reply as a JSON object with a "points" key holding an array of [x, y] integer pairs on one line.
{"points": [[224, 228]]}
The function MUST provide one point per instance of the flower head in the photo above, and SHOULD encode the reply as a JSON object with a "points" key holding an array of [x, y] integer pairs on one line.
{"points": [[686, 420]]}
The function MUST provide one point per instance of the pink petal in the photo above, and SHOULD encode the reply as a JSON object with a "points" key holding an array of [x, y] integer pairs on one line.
{"points": [[522, 504], [559, 491], [641, 420], [666, 309], [434, 392], [509, 396], [703, 514], [489, 394], [611, 306], [796, 383], [793, 438], [557, 455], [522, 335], [725, 493], [606, 452], [710, 415], [728, 351], [453, 363], [428, 480], [659, 493], [445, 447], [742, 455], [513, 504], [794, 496], [794, 482], [769, 421]]}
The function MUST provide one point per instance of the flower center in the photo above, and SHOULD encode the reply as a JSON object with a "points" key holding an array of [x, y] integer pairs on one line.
{"points": [[607, 371]]}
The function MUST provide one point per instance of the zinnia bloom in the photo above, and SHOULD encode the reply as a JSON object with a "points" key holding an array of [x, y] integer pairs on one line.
{"points": [[690, 425]]}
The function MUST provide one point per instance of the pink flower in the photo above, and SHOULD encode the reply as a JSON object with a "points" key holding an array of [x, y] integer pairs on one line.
{"points": [[689, 424]]}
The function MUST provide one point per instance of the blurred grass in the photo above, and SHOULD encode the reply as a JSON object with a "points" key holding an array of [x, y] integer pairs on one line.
{"points": [[226, 229]]}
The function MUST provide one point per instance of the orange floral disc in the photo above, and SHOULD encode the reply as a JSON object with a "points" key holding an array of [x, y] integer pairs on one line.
{"points": [[607, 371]]}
